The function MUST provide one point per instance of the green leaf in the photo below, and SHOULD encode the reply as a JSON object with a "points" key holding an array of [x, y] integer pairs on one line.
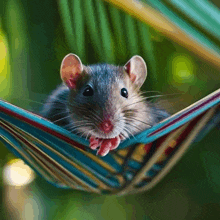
{"points": [[79, 27], [67, 22]]}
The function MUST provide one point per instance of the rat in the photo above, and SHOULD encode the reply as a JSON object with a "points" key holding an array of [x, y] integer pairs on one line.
{"points": [[102, 102]]}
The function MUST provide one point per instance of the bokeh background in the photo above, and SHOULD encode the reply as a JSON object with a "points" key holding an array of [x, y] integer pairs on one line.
{"points": [[34, 38]]}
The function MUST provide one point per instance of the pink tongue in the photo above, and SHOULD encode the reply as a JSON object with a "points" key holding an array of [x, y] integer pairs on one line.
{"points": [[105, 144]]}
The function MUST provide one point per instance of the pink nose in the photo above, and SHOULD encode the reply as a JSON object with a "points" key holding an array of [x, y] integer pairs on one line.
{"points": [[106, 126]]}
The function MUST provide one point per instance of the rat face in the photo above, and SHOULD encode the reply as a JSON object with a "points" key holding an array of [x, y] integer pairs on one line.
{"points": [[104, 100], [96, 104]]}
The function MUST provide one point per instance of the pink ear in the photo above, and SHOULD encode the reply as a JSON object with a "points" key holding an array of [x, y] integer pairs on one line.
{"points": [[128, 70], [137, 70], [71, 70]]}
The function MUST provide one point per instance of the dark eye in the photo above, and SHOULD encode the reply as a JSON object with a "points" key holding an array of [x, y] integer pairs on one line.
{"points": [[124, 92], [88, 91]]}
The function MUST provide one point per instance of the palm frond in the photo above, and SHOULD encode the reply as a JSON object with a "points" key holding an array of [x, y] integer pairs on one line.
{"points": [[194, 25]]}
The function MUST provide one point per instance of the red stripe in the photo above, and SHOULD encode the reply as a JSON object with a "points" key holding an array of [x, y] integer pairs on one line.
{"points": [[42, 127], [185, 114]]}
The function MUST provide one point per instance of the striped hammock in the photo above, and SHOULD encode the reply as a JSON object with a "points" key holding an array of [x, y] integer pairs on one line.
{"points": [[64, 159]]}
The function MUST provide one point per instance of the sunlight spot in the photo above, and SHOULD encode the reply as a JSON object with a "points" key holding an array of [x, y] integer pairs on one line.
{"points": [[182, 68], [3, 54], [17, 173]]}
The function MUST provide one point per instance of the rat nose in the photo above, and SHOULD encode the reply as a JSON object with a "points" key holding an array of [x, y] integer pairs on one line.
{"points": [[106, 126]]}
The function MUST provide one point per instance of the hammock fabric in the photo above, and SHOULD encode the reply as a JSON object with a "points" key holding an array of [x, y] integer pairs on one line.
{"points": [[65, 159]]}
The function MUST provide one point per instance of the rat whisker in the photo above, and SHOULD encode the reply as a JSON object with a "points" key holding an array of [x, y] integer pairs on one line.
{"points": [[59, 113], [133, 125], [78, 123], [141, 121], [124, 107], [41, 103], [55, 100], [82, 133], [125, 134], [156, 96], [153, 112], [78, 133], [139, 101], [141, 98], [75, 128], [89, 133], [121, 134], [86, 133], [144, 92], [82, 124], [91, 111], [60, 119], [137, 95], [95, 115], [129, 132]]}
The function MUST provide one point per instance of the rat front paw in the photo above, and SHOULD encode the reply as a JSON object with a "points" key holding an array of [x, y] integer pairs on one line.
{"points": [[105, 144]]}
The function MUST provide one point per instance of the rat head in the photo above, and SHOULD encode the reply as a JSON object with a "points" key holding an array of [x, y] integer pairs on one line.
{"points": [[104, 100]]}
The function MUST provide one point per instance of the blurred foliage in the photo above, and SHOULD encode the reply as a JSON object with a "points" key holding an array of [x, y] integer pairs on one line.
{"points": [[193, 17], [38, 34], [4, 65]]}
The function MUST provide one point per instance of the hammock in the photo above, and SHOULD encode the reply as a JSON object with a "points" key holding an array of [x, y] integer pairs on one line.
{"points": [[65, 160]]}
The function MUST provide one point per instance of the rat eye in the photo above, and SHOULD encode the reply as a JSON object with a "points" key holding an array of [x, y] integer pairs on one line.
{"points": [[88, 91], [124, 92]]}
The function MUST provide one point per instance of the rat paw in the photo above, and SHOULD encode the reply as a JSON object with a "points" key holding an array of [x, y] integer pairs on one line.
{"points": [[105, 145]]}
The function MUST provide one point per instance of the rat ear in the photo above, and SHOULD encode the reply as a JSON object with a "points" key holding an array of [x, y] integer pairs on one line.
{"points": [[136, 68], [71, 70]]}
